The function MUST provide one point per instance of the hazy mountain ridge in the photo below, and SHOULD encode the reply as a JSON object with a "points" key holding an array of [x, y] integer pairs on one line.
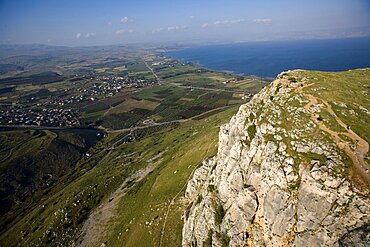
{"points": [[287, 171]]}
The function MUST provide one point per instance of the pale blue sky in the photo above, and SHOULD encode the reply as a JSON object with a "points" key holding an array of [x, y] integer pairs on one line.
{"points": [[83, 22]]}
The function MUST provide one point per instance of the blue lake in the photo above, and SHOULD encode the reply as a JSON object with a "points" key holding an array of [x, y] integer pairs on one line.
{"points": [[267, 59]]}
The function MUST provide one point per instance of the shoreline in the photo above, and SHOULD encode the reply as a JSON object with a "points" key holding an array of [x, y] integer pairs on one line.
{"points": [[268, 58]]}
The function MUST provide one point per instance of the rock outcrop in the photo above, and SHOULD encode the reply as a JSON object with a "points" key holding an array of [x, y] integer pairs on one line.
{"points": [[277, 180]]}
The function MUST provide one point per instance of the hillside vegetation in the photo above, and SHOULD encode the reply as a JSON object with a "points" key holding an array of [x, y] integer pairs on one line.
{"points": [[167, 158], [300, 140], [32, 161]]}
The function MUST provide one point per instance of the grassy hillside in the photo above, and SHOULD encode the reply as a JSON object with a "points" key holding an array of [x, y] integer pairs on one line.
{"points": [[347, 92], [32, 161], [340, 106], [150, 213], [128, 190], [172, 152]]}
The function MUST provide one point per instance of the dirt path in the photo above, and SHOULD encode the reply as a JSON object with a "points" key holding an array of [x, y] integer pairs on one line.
{"points": [[362, 147], [95, 227]]}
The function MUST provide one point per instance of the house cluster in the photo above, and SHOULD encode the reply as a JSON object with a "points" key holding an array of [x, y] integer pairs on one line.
{"points": [[168, 63], [111, 85], [61, 101], [16, 115], [119, 82], [54, 111], [247, 96], [105, 86]]}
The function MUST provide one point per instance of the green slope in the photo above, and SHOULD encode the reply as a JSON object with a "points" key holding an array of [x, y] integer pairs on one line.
{"points": [[59, 219], [32, 161]]}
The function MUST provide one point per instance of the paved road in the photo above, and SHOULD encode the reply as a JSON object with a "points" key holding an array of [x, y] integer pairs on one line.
{"points": [[188, 87], [155, 75], [118, 130], [168, 122]]}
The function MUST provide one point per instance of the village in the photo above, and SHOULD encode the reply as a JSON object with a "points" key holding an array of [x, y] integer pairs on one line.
{"points": [[18, 115], [103, 87], [52, 111]]}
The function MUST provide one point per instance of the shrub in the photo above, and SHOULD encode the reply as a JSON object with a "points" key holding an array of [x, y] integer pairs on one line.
{"points": [[251, 131], [219, 214]]}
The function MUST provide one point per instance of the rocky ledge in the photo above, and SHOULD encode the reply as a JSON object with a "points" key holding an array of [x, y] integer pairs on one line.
{"points": [[277, 180]]}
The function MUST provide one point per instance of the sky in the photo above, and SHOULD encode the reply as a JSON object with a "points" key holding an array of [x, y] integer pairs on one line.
{"points": [[108, 22]]}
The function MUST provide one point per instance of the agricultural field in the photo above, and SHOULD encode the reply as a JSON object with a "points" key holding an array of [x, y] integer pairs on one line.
{"points": [[41, 78], [178, 97], [79, 127], [117, 92]]}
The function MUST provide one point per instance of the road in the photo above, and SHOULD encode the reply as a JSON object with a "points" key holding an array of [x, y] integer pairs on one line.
{"points": [[101, 128], [205, 88], [188, 87], [168, 122], [138, 127], [155, 75]]}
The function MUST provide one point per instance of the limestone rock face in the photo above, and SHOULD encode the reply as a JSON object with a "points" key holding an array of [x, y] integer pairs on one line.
{"points": [[273, 184]]}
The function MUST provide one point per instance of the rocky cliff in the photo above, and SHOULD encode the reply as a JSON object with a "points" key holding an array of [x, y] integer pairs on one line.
{"points": [[288, 172]]}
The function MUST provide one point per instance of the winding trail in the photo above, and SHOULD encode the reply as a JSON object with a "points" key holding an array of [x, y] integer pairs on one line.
{"points": [[94, 229], [362, 147]]}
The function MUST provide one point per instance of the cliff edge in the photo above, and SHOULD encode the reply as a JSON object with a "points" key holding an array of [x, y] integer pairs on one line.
{"points": [[292, 168]]}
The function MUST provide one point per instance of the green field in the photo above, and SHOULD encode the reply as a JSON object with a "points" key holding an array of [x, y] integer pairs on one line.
{"points": [[52, 180]]}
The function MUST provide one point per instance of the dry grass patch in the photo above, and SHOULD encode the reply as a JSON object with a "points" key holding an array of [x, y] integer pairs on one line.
{"points": [[130, 104]]}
